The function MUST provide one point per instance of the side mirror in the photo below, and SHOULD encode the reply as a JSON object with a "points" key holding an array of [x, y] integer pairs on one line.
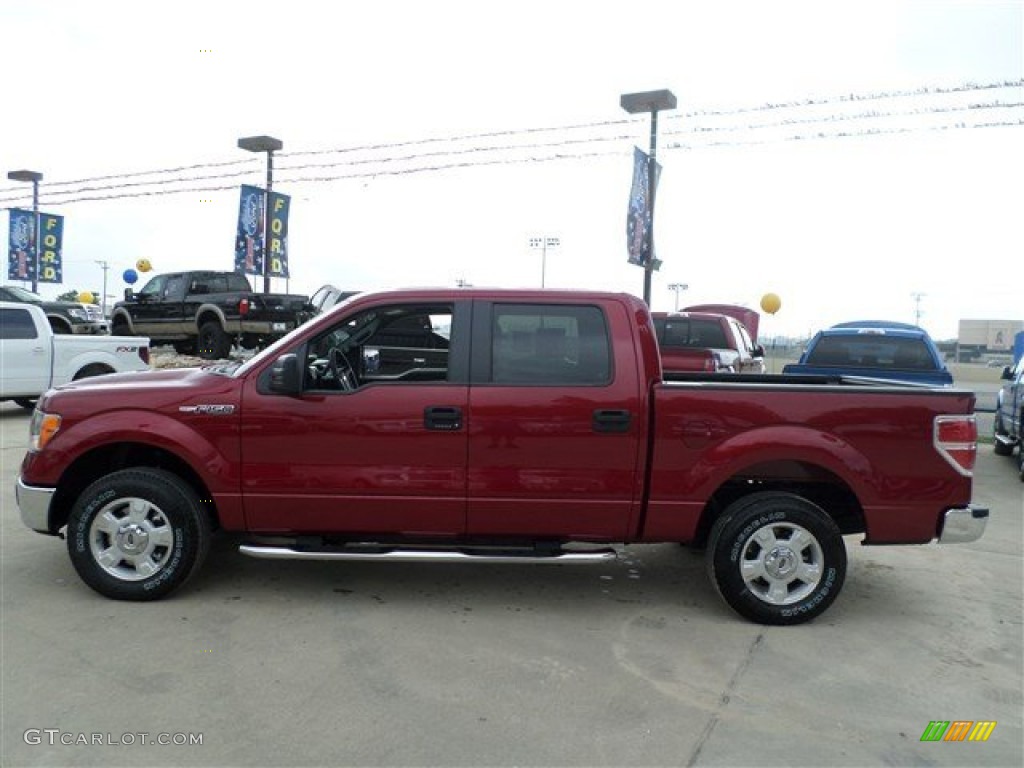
{"points": [[286, 375], [757, 351], [128, 294], [1007, 374]]}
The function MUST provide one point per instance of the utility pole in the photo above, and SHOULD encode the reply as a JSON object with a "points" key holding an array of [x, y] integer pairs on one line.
{"points": [[917, 306], [103, 301]]}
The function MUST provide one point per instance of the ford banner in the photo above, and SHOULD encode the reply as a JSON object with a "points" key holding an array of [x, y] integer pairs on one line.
{"points": [[249, 238], [277, 240], [21, 250], [51, 244]]}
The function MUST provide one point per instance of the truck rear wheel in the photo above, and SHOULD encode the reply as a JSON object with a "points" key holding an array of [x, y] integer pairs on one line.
{"points": [[776, 558], [137, 534], [214, 343]]}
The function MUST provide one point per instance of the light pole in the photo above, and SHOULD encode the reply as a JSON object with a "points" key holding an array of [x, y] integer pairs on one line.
{"points": [[543, 243], [269, 145], [104, 265], [649, 101], [677, 288], [35, 177]]}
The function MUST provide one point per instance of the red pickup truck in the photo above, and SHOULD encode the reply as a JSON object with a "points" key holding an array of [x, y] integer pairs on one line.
{"points": [[508, 426]]}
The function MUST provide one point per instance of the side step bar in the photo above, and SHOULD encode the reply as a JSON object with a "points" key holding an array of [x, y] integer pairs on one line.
{"points": [[431, 555]]}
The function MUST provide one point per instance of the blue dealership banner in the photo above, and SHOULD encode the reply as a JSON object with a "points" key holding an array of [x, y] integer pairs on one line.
{"points": [[51, 246], [640, 216], [249, 249], [277, 240], [21, 245]]}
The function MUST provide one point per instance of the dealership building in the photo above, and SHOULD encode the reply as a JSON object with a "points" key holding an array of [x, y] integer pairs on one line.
{"points": [[980, 338]]}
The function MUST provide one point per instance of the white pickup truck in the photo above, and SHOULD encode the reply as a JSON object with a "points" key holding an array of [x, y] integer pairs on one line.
{"points": [[36, 359]]}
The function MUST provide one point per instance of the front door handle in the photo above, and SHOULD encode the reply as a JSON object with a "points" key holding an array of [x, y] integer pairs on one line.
{"points": [[610, 420], [444, 418]]}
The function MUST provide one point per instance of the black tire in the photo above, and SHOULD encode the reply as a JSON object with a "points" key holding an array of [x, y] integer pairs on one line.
{"points": [[998, 430], [137, 534], [793, 574], [29, 404], [213, 343], [185, 347], [59, 326], [120, 328]]}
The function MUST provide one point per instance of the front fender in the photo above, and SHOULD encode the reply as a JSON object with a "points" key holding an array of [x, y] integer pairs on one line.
{"points": [[92, 445]]}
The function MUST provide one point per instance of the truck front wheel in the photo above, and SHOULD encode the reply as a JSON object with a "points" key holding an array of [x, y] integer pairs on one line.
{"points": [[137, 534], [776, 558]]}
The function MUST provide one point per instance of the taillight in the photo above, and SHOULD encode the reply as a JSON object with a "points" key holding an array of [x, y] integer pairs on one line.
{"points": [[956, 439], [243, 307], [144, 354], [710, 365]]}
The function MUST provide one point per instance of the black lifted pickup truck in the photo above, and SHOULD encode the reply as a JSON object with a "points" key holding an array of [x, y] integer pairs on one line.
{"points": [[204, 312]]}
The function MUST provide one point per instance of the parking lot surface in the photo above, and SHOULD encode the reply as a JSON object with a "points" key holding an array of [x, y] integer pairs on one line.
{"points": [[637, 662]]}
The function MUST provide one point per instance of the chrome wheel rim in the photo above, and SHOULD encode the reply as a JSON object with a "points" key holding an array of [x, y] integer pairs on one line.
{"points": [[782, 563], [131, 539]]}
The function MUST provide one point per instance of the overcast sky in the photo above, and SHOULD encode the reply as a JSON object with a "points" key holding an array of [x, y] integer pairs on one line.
{"points": [[845, 208]]}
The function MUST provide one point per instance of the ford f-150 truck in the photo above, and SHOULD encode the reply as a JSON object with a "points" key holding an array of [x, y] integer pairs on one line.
{"points": [[495, 426], [688, 338], [34, 358], [204, 312]]}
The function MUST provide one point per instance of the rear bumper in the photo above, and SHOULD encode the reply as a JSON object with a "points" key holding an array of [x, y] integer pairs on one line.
{"points": [[963, 525], [34, 506]]}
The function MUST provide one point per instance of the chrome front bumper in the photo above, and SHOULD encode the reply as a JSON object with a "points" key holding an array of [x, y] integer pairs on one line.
{"points": [[963, 525], [34, 506]]}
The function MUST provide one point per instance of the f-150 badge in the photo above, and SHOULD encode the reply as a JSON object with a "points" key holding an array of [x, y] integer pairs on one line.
{"points": [[214, 410]]}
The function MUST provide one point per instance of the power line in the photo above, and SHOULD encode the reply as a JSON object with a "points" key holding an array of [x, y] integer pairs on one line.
{"points": [[699, 134]]}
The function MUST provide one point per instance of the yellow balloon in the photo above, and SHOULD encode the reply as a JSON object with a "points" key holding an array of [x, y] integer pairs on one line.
{"points": [[143, 265], [86, 297], [771, 303]]}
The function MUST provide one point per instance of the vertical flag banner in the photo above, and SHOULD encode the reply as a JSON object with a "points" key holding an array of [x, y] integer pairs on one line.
{"points": [[277, 239], [21, 249], [51, 242], [640, 216], [249, 238]]}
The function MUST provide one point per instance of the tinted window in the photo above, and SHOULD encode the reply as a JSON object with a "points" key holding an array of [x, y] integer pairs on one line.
{"points": [[692, 332], [549, 345], [872, 351], [16, 324]]}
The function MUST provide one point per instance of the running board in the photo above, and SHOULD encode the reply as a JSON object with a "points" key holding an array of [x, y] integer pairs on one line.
{"points": [[429, 555]]}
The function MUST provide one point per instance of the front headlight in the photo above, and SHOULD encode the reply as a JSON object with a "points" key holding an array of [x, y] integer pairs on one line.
{"points": [[42, 429], [79, 314]]}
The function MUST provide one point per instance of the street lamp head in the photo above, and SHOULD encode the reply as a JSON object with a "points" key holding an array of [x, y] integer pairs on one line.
{"points": [[33, 176], [260, 144], [648, 101]]}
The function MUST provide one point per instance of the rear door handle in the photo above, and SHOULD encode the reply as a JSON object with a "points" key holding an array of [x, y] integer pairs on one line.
{"points": [[444, 418], [609, 420]]}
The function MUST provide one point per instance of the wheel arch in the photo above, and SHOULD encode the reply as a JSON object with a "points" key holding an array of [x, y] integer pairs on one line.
{"points": [[208, 313], [807, 479], [125, 455], [59, 323]]}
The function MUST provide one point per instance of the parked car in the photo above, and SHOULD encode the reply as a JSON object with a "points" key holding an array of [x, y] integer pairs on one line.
{"points": [[875, 349], [63, 316], [685, 338], [36, 359], [521, 427], [1009, 418]]}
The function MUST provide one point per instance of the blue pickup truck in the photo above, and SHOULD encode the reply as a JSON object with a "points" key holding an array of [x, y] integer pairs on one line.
{"points": [[874, 349]]}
